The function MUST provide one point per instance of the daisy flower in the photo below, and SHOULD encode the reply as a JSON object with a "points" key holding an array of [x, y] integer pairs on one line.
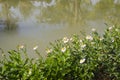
{"points": [[35, 48], [65, 40], [89, 37], [63, 49], [82, 60], [48, 50]]}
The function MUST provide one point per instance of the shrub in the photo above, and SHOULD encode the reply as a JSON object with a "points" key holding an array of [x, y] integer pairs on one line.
{"points": [[91, 58], [15, 67]]}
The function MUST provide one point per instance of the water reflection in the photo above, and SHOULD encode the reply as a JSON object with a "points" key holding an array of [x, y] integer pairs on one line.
{"points": [[38, 22]]}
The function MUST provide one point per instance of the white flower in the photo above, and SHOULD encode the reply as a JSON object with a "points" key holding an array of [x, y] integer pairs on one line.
{"points": [[48, 50], [83, 46], [80, 41], [89, 37], [82, 60], [93, 29], [113, 40], [35, 48], [65, 40], [20, 47], [63, 49], [110, 28], [71, 39], [101, 38]]}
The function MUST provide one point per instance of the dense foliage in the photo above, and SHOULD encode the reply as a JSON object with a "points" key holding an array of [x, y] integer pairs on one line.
{"points": [[91, 58]]}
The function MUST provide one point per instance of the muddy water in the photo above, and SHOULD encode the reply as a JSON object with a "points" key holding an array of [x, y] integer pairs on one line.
{"points": [[31, 32]]}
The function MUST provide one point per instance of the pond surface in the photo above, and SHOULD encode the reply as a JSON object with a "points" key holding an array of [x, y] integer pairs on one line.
{"points": [[32, 29]]}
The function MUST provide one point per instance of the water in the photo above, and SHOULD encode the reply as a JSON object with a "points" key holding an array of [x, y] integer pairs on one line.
{"points": [[32, 35], [32, 29]]}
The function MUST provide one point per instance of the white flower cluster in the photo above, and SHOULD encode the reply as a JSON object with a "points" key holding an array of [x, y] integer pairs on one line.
{"points": [[83, 46], [65, 39], [89, 37]]}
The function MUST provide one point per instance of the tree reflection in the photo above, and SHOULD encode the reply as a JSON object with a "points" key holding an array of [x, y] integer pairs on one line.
{"points": [[79, 10], [25, 7], [62, 11], [67, 11], [8, 16], [108, 12]]}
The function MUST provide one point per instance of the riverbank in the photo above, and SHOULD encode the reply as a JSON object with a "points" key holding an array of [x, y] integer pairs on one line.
{"points": [[94, 57]]}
